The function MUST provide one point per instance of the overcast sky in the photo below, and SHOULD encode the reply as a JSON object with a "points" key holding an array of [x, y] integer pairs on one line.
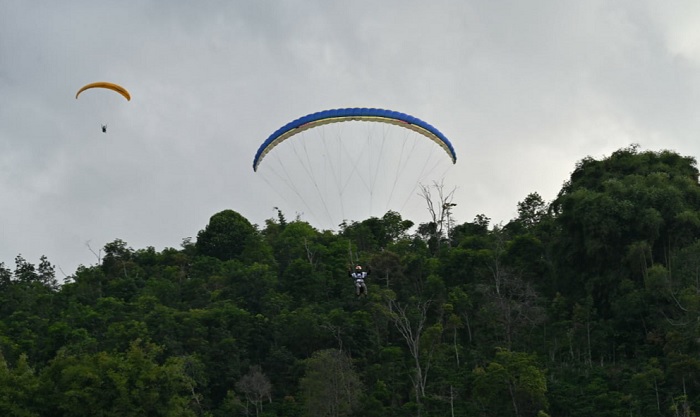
{"points": [[523, 90]]}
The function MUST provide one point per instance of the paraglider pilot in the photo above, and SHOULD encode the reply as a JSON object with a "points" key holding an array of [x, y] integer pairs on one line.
{"points": [[359, 276], [104, 128]]}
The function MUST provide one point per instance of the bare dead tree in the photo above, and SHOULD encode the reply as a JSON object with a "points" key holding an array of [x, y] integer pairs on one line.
{"points": [[494, 263], [97, 254], [513, 304], [310, 254], [337, 333], [411, 324], [439, 207], [256, 387]]}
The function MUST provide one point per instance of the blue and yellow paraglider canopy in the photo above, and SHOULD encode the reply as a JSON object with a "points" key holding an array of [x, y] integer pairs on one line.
{"points": [[353, 114]]}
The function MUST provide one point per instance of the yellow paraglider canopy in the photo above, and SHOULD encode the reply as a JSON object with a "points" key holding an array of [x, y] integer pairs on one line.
{"points": [[103, 84]]}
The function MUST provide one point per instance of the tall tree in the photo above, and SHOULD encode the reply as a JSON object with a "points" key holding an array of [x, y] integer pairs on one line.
{"points": [[331, 387], [19, 389], [609, 206], [511, 384], [226, 236]]}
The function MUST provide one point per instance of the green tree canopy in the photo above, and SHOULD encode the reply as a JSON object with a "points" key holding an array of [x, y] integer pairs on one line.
{"points": [[227, 236]]}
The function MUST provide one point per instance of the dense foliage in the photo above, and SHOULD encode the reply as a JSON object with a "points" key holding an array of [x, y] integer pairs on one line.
{"points": [[585, 306]]}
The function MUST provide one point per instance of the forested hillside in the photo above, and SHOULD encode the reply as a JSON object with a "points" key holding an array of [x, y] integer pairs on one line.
{"points": [[588, 305]]}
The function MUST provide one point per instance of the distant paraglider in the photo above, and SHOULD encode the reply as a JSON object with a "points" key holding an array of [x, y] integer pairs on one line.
{"points": [[110, 86]]}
